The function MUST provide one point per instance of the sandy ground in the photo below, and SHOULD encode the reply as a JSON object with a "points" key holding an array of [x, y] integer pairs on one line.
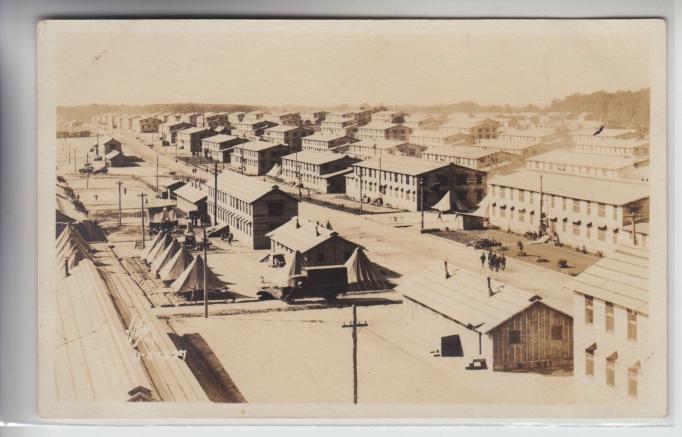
{"points": [[306, 356], [310, 360]]}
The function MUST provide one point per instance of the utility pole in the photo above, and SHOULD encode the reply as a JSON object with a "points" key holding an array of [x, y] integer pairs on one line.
{"points": [[75, 158], [119, 183], [142, 196], [360, 176], [541, 218], [421, 199], [298, 175], [215, 193], [157, 172], [633, 219], [205, 268], [355, 325]]}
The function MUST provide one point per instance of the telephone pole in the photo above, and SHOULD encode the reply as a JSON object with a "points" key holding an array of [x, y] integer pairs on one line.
{"points": [[119, 183], [215, 194], [205, 268], [157, 172], [633, 219], [421, 199], [142, 196], [360, 177], [355, 325], [541, 224]]}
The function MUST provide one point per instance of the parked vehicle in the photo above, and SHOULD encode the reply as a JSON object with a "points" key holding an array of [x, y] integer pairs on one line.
{"points": [[322, 281]]}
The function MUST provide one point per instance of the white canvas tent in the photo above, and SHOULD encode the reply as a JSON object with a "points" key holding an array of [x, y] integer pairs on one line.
{"points": [[275, 171], [176, 265], [449, 203], [164, 256], [152, 245], [363, 275], [482, 209], [193, 278], [160, 247]]}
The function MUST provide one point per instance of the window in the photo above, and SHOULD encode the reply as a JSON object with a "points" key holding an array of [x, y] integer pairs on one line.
{"points": [[275, 209], [589, 208], [503, 212], [502, 192], [611, 370], [608, 313], [588, 232], [601, 234], [522, 195], [563, 227], [632, 325], [589, 360], [522, 216], [551, 201], [563, 203], [576, 206], [589, 310], [531, 196], [494, 190], [576, 229], [615, 237], [557, 332], [632, 379], [615, 212], [514, 336], [601, 210]]}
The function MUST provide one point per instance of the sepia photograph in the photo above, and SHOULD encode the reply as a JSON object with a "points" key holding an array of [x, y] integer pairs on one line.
{"points": [[323, 219]]}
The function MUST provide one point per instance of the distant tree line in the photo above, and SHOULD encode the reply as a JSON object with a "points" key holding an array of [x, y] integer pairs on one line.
{"points": [[614, 109]]}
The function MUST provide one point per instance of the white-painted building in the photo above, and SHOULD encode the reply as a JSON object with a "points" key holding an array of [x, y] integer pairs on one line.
{"points": [[477, 128], [602, 134], [579, 211], [584, 164], [436, 138], [319, 142], [367, 149], [379, 130], [466, 156], [612, 348], [625, 147]]}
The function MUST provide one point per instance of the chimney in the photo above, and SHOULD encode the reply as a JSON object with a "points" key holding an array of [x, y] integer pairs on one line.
{"points": [[317, 232], [445, 264], [490, 288], [66, 266], [298, 225]]}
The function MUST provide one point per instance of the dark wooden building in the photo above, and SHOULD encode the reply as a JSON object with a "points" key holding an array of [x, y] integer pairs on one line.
{"points": [[468, 316], [318, 245]]}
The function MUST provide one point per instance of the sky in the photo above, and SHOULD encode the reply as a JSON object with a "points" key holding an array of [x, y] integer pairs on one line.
{"points": [[336, 62]]}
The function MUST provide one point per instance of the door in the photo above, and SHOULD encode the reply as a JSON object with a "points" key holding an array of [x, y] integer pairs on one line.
{"points": [[451, 346]]}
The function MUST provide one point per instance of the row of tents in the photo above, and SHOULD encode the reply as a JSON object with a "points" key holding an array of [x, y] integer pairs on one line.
{"points": [[169, 261]]}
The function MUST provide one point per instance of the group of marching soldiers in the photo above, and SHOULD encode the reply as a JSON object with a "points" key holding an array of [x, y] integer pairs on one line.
{"points": [[495, 261]]}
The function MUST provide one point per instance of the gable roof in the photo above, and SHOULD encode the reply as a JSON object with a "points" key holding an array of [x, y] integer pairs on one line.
{"points": [[465, 297], [621, 278], [245, 188], [459, 151], [380, 143], [258, 146], [402, 164], [191, 193], [315, 158], [609, 191], [301, 235]]}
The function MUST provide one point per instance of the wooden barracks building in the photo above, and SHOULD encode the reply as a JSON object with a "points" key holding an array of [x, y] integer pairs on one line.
{"points": [[323, 172], [400, 179], [464, 315], [257, 157], [251, 207]]}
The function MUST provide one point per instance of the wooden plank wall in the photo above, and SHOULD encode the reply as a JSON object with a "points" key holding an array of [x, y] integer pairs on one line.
{"points": [[537, 350]]}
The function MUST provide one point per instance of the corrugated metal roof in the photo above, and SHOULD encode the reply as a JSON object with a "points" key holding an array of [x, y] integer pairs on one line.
{"points": [[621, 278]]}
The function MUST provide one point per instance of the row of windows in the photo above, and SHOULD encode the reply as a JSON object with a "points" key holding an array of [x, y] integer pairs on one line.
{"points": [[232, 201], [569, 168], [576, 205], [609, 324], [235, 222]]}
